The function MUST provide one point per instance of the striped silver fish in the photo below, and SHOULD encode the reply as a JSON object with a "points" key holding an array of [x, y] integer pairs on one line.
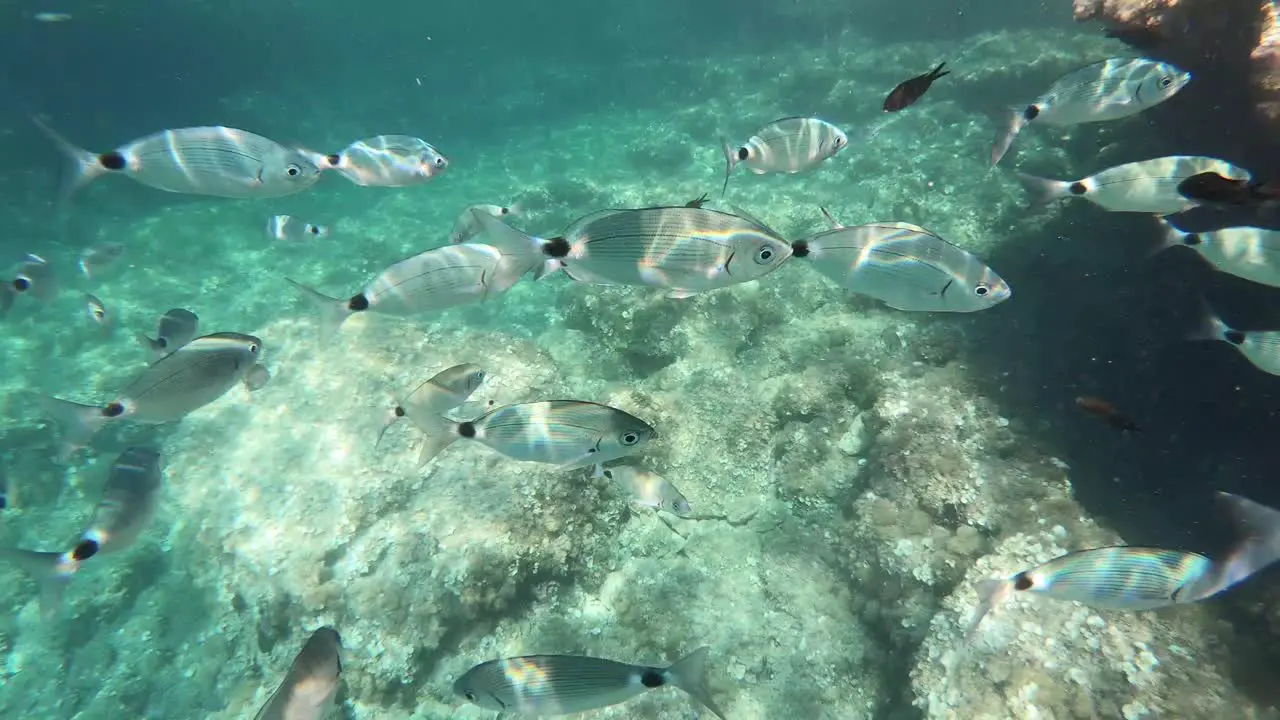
{"points": [[1107, 90], [467, 227], [309, 688], [388, 161], [443, 392], [288, 227], [187, 379], [127, 506], [649, 489], [98, 257], [787, 145], [437, 279], [1259, 347], [905, 266], [567, 433], [1247, 252], [177, 327], [549, 685], [1146, 186], [213, 161]]}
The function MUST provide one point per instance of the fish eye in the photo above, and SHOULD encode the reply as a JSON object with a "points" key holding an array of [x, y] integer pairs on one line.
{"points": [[765, 255], [1166, 81], [469, 695], [315, 229], [440, 162], [630, 438], [253, 347], [506, 211], [22, 283], [293, 170], [982, 289]]}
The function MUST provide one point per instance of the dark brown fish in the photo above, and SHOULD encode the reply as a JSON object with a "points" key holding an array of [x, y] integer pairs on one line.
{"points": [[1212, 188], [1100, 408], [697, 202], [909, 91]]}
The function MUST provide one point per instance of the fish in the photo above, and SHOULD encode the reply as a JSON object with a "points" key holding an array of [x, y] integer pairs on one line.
{"points": [[1260, 347], [565, 433], [212, 161], [649, 489], [1107, 90], [1146, 186], [1247, 252], [185, 380], [786, 145], [1210, 188], [309, 688], [97, 312], [437, 279], [904, 266], [52, 17], [287, 227], [549, 685], [1143, 578], [909, 91], [257, 378], [683, 250], [388, 161], [34, 277], [1107, 412], [177, 327], [465, 227], [96, 258], [446, 390], [126, 507]]}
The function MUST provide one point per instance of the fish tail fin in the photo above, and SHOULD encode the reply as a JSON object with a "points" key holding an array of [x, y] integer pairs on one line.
{"points": [[1016, 120], [938, 71], [437, 434], [78, 423], [991, 593], [730, 162], [50, 570], [82, 166], [1208, 325], [549, 266], [7, 297], [525, 251], [1043, 190], [332, 312], [152, 346], [1172, 236], [690, 675], [1258, 545]]}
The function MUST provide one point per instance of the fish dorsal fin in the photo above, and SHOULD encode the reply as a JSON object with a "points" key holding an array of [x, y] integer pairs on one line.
{"points": [[748, 216]]}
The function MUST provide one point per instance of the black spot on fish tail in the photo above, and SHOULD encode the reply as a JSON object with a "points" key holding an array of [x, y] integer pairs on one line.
{"points": [[85, 550], [556, 247], [467, 429], [358, 303], [1022, 581], [22, 283], [399, 411], [652, 678], [1078, 188], [1235, 337], [1031, 113], [161, 342], [113, 160], [743, 153], [114, 409], [800, 248], [1192, 239], [334, 159]]}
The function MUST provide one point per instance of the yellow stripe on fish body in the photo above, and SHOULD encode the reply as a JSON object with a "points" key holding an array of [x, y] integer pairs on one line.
{"points": [[569, 433], [1117, 578]]}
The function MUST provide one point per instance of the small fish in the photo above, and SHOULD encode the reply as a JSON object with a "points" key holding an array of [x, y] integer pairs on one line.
{"points": [[287, 227], [257, 378], [211, 161], [52, 17], [177, 328], [34, 277], [788, 145], [1108, 90], [909, 91], [444, 391], [127, 506], [187, 379], [97, 312], [388, 161], [1247, 252], [1259, 347], [549, 685], [683, 250], [1139, 578], [1146, 186], [431, 281], [566, 433], [1210, 188], [96, 258], [904, 266], [1104, 410], [309, 688], [649, 489], [466, 227]]}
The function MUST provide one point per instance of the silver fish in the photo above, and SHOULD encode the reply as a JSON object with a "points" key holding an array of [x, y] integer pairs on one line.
{"points": [[287, 227], [904, 266], [444, 391], [1108, 90], [434, 280], [308, 690], [549, 685], [1146, 186], [566, 433], [1139, 578], [1259, 347], [465, 227], [127, 506], [187, 379], [684, 250], [788, 145], [649, 489], [1246, 252], [212, 161], [389, 161], [257, 378], [96, 258], [97, 312], [177, 327]]}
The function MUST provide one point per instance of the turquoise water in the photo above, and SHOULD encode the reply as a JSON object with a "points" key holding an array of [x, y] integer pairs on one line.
{"points": [[853, 470]]}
